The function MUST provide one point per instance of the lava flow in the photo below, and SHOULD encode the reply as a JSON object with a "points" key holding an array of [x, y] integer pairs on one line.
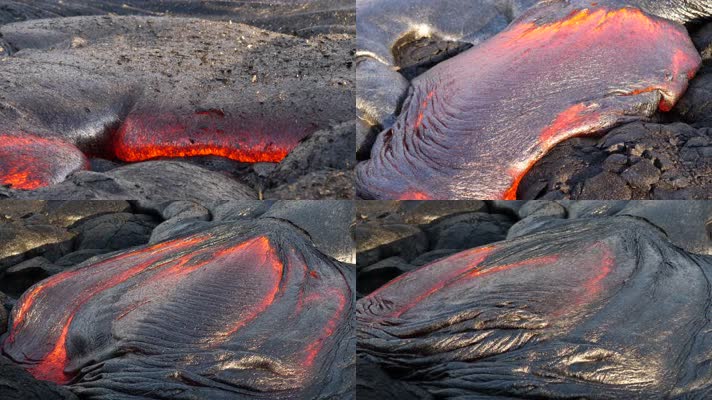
{"points": [[212, 304], [475, 124], [606, 306], [29, 162], [146, 136]]}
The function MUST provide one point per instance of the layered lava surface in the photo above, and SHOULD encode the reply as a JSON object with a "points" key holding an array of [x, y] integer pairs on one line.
{"points": [[238, 309], [566, 312], [473, 125]]}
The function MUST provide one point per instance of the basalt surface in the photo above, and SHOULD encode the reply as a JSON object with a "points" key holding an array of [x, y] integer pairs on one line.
{"points": [[302, 17]]}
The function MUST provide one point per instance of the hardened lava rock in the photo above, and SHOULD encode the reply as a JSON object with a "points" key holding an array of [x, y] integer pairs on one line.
{"points": [[133, 89]]}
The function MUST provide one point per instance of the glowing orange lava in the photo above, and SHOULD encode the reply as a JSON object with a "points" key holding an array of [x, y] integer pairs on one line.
{"points": [[28, 162], [458, 264], [315, 346], [415, 196], [580, 119], [143, 137], [508, 101], [260, 249], [52, 367]]}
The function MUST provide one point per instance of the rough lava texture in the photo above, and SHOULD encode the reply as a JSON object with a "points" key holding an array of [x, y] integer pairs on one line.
{"points": [[473, 125], [518, 319], [635, 161], [137, 88], [301, 17], [398, 40]]}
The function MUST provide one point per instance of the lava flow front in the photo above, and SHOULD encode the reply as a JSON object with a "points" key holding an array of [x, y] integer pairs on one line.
{"points": [[214, 304], [29, 162], [145, 136], [475, 124], [606, 306]]}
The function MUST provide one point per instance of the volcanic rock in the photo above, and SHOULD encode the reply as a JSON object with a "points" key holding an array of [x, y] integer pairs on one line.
{"points": [[114, 231], [375, 242]]}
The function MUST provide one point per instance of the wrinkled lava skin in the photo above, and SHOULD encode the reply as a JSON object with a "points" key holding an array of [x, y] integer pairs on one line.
{"points": [[29, 162], [473, 125], [595, 309], [238, 311]]}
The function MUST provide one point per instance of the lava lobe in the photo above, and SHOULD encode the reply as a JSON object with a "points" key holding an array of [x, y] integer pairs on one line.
{"points": [[608, 308], [473, 125], [29, 162], [144, 136], [238, 310]]}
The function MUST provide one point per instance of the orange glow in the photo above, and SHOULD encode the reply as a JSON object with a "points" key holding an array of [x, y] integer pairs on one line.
{"points": [[143, 137], [538, 261], [511, 192], [29, 298], [509, 100], [573, 116], [579, 119], [314, 347], [52, 366], [29, 162], [419, 119], [260, 248], [415, 196], [593, 285], [462, 262]]}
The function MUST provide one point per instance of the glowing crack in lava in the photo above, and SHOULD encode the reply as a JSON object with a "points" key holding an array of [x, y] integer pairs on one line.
{"points": [[29, 162], [145, 136], [249, 308], [473, 125], [606, 306]]}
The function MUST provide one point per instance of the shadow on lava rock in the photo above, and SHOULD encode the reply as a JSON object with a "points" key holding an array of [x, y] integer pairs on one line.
{"points": [[244, 309], [135, 88]]}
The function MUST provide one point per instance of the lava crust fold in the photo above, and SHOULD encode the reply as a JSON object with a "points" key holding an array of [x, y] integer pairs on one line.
{"points": [[599, 309], [473, 125], [240, 310]]}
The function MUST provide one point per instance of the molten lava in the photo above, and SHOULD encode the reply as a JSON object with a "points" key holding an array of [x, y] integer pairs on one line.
{"points": [[214, 304], [145, 136], [29, 162], [474, 124]]}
